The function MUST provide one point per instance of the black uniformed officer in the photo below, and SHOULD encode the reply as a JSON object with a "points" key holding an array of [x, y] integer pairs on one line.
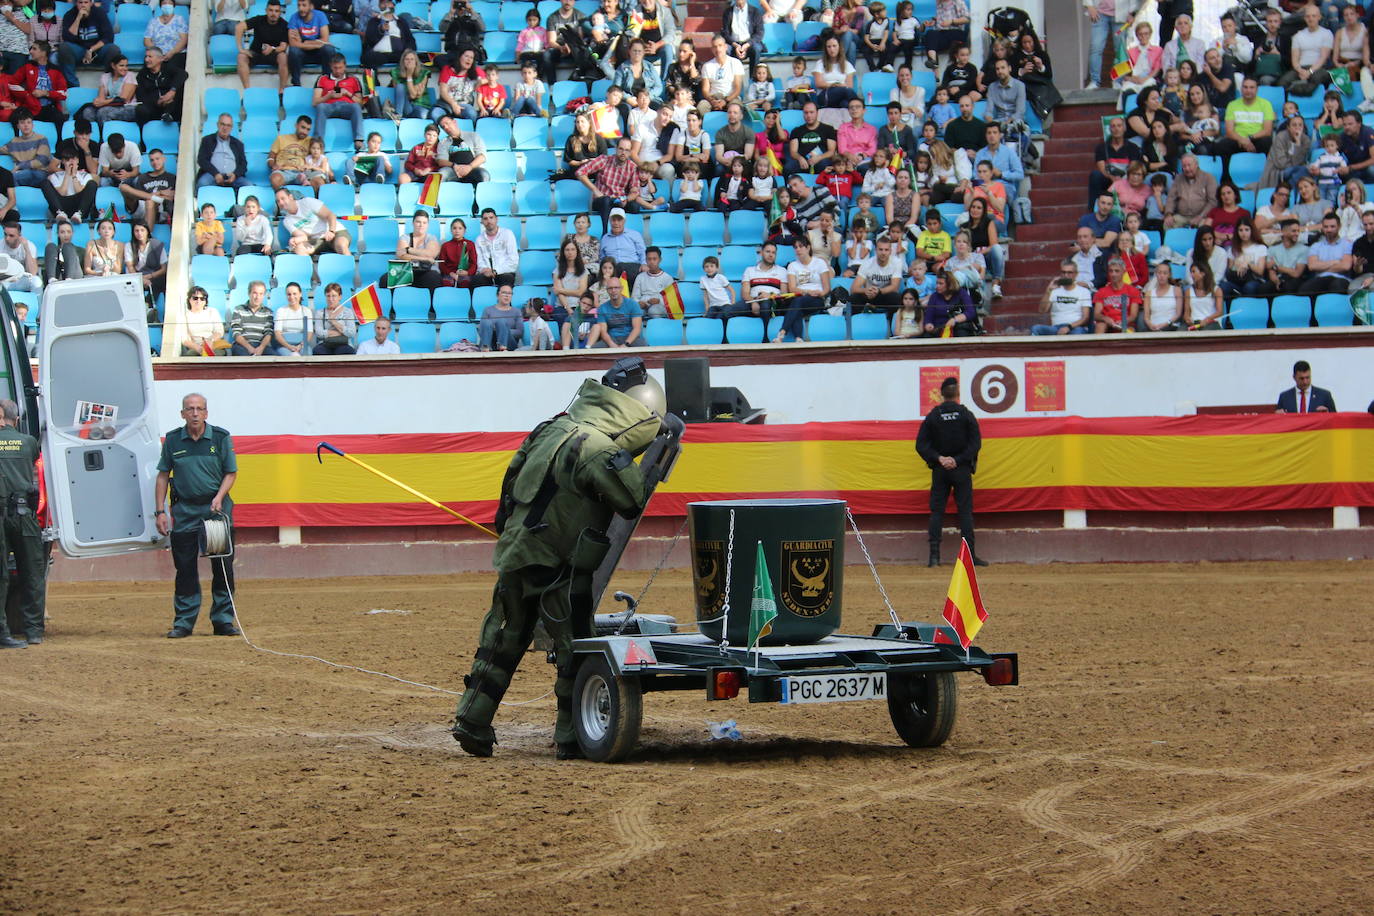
{"points": [[199, 460], [949, 441], [19, 503]]}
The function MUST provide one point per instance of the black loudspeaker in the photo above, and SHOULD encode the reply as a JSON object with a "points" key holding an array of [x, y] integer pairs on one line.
{"points": [[688, 383], [729, 402]]}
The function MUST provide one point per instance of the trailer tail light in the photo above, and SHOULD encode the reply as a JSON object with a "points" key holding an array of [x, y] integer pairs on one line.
{"points": [[726, 685], [1001, 673]]}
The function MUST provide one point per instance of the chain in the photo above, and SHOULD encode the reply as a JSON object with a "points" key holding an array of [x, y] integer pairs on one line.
{"points": [[896, 621], [729, 565], [662, 560]]}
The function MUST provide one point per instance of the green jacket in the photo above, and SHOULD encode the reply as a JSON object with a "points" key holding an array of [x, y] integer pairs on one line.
{"points": [[571, 474]]}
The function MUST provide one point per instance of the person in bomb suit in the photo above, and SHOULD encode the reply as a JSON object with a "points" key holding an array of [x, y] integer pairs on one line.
{"points": [[571, 475]]}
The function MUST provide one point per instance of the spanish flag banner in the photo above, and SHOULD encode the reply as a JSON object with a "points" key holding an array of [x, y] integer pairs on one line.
{"points": [[625, 283], [206, 348], [964, 606], [772, 158], [429, 193], [895, 165], [366, 305], [672, 301]]}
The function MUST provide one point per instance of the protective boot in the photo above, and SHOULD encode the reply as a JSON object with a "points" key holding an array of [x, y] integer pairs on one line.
{"points": [[568, 750], [477, 740], [934, 554]]}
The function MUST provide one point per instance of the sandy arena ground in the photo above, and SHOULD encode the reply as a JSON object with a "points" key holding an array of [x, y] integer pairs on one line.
{"points": [[1185, 739]]}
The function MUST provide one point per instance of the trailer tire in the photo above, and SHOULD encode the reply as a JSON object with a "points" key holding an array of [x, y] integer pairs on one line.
{"points": [[607, 709], [923, 706]]}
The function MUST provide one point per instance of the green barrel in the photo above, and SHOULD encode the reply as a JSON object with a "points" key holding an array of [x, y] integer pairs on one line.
{"points": [[803, 545]]}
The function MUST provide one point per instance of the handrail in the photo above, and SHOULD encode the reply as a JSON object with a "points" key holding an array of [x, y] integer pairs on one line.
{"points": [[184, 210]]}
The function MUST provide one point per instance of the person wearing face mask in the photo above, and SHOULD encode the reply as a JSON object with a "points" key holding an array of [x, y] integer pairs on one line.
{"points": [[14, 36], [45, 26], [168, 32]]}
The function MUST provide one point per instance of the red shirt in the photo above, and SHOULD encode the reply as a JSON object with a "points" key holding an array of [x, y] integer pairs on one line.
{"points": [[348, 84], [841, 184], [1116, 302]]}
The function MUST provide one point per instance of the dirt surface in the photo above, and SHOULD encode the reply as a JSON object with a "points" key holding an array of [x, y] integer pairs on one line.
{"points": [[1185, 739]]}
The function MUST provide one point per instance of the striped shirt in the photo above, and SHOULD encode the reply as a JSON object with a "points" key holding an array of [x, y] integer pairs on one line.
{"points": [[614, 179], [28, 153], [253, 325], [818, 200]]}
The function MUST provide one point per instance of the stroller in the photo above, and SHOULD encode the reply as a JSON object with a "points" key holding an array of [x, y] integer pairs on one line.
{"points": [[585, 67], [1008, 22]]}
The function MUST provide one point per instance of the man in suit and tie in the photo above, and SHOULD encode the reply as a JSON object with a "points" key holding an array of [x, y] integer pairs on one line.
{"points": [[1303, 397]]}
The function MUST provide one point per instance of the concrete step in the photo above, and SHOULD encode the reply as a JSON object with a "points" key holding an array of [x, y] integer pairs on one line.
{"points": [[1071, 114], [1045, 232]]}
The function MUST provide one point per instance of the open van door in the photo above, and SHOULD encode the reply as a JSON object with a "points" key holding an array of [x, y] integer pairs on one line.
{"points": [[100, 442]]}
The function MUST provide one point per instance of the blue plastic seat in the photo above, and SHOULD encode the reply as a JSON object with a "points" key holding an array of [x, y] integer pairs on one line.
{"points": [[380, 237], [663, 332], [350, 46], [713, 121], [539, 165], [257, 135], [560, 129], [384, 126], [131, 17], [338, 198], [747, 227], [533, 198], [1333, 311], [667, 229], [335, 268], [161, 135], [411, 133], [450, 332], [452, 304], [218, 101], [707, 228], [261, 102], [495, 194], [571, 197], [482, 297], [500, 47], [210, 270], [1180, 241], [704, 331], [31, 203], [826, 327], [416, 336], [377, 200], [736, 259], [224, 53], [868, 327], [131, 46], [296, 101], [410, 303], [541, 232], [564, 91], [1291, 312], [372, 267], [495, 132], [295, 268], [1246, 169], [530, 133], [1249, 313], [744, 329], [502, 165], [778, 38], [250, 267], [808, 34], [455, 199]]}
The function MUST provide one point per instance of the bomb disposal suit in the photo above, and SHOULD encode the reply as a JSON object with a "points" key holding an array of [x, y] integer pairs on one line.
{"points": [[558, 496]]}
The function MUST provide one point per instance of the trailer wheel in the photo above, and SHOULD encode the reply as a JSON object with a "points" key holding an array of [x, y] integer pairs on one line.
{"points": [[923, 707], [606, 711]]}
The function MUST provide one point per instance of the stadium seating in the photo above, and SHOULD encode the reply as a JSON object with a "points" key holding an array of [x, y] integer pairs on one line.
{"points": [[1291, 312]]}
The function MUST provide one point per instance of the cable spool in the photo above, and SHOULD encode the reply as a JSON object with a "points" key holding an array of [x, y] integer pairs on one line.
{"points": [[216, 537]]}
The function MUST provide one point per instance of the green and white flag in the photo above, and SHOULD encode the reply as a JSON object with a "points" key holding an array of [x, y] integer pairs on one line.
{"points": [[1340, 78], [763, 609], [399, 273]]}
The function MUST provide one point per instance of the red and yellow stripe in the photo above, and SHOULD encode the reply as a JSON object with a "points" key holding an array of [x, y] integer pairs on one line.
{"points": [[1190, 464], [366, 304]]}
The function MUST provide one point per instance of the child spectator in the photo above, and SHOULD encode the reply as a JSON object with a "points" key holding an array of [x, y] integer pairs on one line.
{"points": [[865, 216], [371, 164], [209, 232], [876, 36], [934, 244], [649, 199], [961, 76], [1328, 168], [879, 180], [420, 163], [716, 291], [642, 113], [759, 94], [841, 179], [491, 95], [858, 249], [798, 89], [904, 33], [943, 111], [922, 279], [529, 92], [317, 170], [532, 41], [906, 321], [540, 338], [689, 190], [580, 322], [732, 190]]}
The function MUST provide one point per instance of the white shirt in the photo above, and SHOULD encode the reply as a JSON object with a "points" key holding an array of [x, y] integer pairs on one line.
{"points": [[1066, 305], [720, 78], [501, 254], [1309, 45], [766, 281], [807, 277], [835, 75], [651, 286], [715, 290], [647, 135], [307, 218], [876, 276], [739, 24], [370, 347], [21, 254], [131, 159]]}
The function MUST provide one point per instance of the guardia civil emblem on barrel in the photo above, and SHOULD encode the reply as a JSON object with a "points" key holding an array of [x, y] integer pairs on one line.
{"points": [[708, 572], [809, 570]]}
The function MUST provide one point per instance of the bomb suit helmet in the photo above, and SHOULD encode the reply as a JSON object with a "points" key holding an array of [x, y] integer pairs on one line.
{"points": [[629, 376]]}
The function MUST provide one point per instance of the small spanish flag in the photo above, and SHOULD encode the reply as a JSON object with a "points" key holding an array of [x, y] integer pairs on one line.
{"points": [[625, 283], [772, 158], [672, 301], [948, 331], [206, 348], [895, 165], [964, 605], [369, 82], [366, 305], [351, 217], [429, 194]]}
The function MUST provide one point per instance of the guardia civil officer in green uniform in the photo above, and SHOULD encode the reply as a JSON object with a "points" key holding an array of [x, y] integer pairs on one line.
{"points": [[199, 467], [19, 503], [561, 490]]}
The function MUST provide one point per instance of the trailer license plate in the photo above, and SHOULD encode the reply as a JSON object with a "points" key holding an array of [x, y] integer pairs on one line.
{"points": [[834, 688]]}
